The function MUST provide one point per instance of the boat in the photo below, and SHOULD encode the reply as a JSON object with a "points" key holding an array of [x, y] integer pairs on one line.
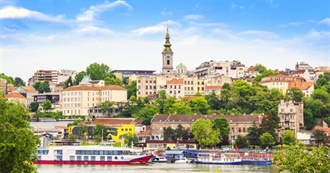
{"points": [[254, 161], [176, 156], [159, 159], [98, 155], [211, 158]]}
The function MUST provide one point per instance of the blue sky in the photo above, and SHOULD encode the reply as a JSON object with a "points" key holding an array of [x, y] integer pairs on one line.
{"points": [[71, 34]]}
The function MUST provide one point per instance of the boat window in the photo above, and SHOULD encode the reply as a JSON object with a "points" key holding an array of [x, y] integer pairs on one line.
{"points": [[85, 158], [116, 157], [92, 158], [58, 157], [102, 158], [101, 152], [71, 157], [39, 157], [115, 152], [122, 157], [109, 158], [78, 158]]}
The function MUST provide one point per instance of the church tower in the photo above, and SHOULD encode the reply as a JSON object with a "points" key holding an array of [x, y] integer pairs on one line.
{"points": [[167, 53]]}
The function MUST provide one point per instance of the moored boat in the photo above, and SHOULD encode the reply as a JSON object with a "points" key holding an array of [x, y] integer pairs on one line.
{"points": [[101, 155], [176, 156], [210, 158], [253, 161]]}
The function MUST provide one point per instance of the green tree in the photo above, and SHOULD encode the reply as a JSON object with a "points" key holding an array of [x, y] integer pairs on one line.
{"points": [[18, 145], [241, 142], [131, 89], [266, 140], [98, 71], [169, 133], [199, 105], [289, 138], [296, 159], [18, 82], [270, 123], [181, 108], [42, 87], [320, 137], [9, 79], [160, 101], [78, 77], [147, 113], [100, 132], [112, 81], [223, 126], [47, 105], [213, 101], [204, 134], [253, 135], [260, 68], [82, 130], [107, 106], [34, 106], [130, 139], [295, 94], [68, 82], [322, 95]]}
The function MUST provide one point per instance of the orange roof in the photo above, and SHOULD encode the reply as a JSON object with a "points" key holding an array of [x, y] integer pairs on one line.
{"points": [[147, 132], [29, 89], [215, 87], [281, 78], [113, 121], [300, 85], [175, 81], [325, 129], [61, 127], [92, 87], [15, 95], [12, 89]]}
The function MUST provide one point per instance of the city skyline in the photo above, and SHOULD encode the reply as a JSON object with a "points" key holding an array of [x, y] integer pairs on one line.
{"points": [[129, 35]]}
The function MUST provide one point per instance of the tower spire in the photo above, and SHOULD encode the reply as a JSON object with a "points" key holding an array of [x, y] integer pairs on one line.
{"points": [[167, 45]]}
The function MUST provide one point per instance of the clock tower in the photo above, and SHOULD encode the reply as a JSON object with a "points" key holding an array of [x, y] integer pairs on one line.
{"points": [[167, 54]]}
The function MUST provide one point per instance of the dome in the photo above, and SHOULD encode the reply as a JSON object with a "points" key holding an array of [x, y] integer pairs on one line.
{"points": [[181, 65]]}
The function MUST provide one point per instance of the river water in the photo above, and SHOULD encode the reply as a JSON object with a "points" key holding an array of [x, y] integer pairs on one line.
{"points": [[156, 168]]}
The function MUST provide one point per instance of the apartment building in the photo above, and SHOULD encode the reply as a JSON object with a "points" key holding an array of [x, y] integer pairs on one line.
{"points": [[291, 116], [232, 69], [3, 86], [77, 100]]}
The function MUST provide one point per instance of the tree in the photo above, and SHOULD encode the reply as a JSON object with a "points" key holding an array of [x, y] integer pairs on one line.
{"points": [[68, 82], [169, 133], [270, 123], [18, 82], [266, 139], [289, 138], [34, 106], [78, 77], [204, 134], [130, 139], [213, 101], [241, 142], [18, 145], [98, 71], [42, 87], [9, 79], [320, 137], [100, 132], [131, 89], [82, 130], [112, 81], [253, 135], [260, 68], [295, 94], [223, 126], [296, 159], [47, 105], [107, 106], [199, 105]]}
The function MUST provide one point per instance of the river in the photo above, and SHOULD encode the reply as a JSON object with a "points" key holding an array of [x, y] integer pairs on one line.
{"points": [[156, 168]]}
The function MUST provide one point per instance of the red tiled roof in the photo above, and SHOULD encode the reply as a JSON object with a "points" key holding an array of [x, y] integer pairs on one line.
{"points": [[61, 127], [147, 132], [215, 87], [28, 89], [175, 81], [88, 87], [281, 78], [325, 129], [300, 85], [113, 121], [15, 95]]}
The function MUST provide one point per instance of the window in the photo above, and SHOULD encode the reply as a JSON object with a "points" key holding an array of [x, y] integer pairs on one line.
{"points": [[109, 158], [71, 157], [102, 158], [85, 158], [79, 158], [92, 158]]}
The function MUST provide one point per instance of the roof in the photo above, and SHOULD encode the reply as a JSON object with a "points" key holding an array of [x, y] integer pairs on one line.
{"points": [[325, 129], [191, 118], [61, 127], [173, 152], [28, 89], [175, 81], [97, 88], [281, 78], [300, 85], [15, 95], [215, 87], [113, 121], [147, 132]]}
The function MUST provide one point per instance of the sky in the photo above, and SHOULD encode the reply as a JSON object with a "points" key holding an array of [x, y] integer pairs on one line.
{"points": [[129, 35]]}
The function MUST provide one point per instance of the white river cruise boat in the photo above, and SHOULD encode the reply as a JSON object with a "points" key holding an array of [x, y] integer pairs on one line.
{"points": [[100, 155]]}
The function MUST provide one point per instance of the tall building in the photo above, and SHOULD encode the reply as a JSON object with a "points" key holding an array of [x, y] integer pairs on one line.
{"points": [[291, 116], [167, 53], [44, 75]]}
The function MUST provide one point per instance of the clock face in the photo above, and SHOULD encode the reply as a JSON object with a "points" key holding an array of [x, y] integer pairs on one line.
{"points": [[168, 57]]}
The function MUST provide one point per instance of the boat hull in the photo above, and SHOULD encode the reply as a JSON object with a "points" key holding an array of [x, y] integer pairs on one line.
{"points": [[257, 162], [219, 162]]}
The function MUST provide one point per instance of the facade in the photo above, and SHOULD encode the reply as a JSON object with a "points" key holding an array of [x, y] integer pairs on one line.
{"points": [[65, 74], [238, 124], [167, 54], [128, 73], [17, 97], [77, 100], [54, 98], [306, 87], [291, 117], [44, 75], [213, 89], [303, 66], [27, 92], [3, 86], [175, 88]]}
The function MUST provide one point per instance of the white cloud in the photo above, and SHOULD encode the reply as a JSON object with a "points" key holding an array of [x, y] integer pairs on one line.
{"points": [[325, 21], [208, 24], [166, 12], [225, 33], [94, 31], [259, 34], [193, 17], [94, 10], [11, 12], [158, 28]]}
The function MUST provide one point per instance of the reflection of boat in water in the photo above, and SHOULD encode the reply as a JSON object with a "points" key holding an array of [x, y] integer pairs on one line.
{"points": [[210, 158], [176, 157], [253, 161], [102, 155]]}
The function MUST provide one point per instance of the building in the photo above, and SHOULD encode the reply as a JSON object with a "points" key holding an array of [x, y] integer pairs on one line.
{"points": [[54, 98], [128, 73], [3, 86], [291, 116], [77, 100], [303, 66], [238, 124], [65, 74], [17, 97], [44, 75], [27, 92], [167, 54]]}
